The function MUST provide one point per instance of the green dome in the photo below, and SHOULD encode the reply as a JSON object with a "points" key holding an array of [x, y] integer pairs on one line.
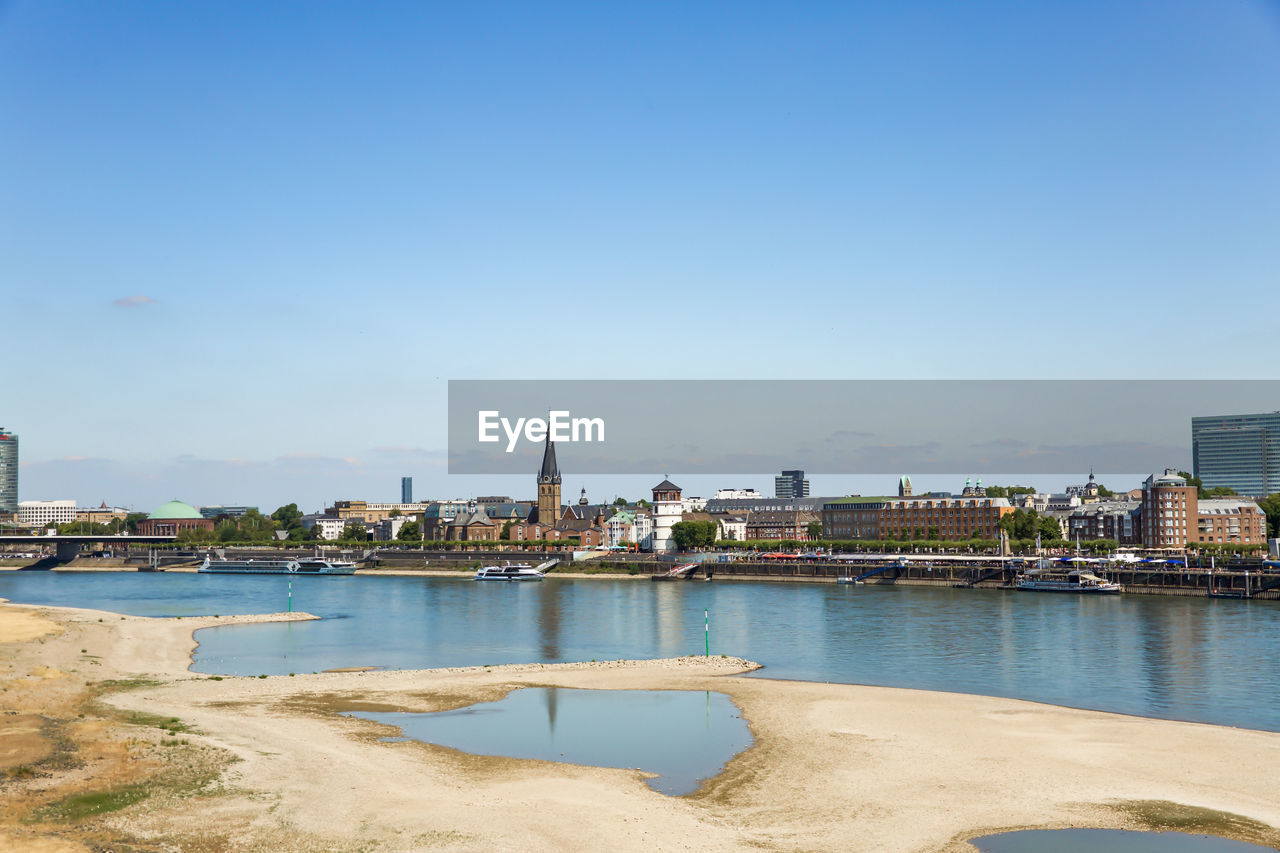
{"points": [[175, 509]]}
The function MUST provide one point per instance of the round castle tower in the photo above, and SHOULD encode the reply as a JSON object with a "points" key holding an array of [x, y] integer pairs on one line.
{"points": [[667, 510]]}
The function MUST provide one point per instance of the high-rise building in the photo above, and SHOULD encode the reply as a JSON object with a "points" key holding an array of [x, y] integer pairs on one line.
{"points": [[8, 471], [1241, 452], [406, 490], [791, 484]]}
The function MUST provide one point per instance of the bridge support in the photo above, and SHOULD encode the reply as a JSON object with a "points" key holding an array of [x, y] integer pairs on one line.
{"points": [[67, 551]]}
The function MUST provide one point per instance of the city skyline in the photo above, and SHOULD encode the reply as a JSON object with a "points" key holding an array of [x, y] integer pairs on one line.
{"points": [[278, 262]]}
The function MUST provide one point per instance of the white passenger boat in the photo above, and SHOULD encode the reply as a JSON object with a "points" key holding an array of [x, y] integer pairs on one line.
{"points": [[317, 566], [1072, 580], [307, 566], [509, 572]]}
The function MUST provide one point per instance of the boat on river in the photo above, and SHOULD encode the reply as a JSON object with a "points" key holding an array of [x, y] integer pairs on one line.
{"points": [[307, 566], [317, 566], [509, 572], [1068, 580]]}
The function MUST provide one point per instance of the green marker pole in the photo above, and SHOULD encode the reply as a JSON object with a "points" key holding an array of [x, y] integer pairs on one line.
{"points": [[707, 621]]}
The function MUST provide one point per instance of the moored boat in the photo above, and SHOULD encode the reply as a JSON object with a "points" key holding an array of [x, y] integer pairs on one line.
{"points": [[307, 566], [1072, 580], [509, 572], [317, 566]]}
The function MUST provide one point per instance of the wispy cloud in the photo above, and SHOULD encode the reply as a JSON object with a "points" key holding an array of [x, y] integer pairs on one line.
{"points": [[135, 301]]}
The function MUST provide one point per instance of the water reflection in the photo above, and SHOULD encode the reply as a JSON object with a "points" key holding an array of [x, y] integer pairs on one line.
{"points": [[549, 609], [680, 735], [552, 695], [1184, 658]]}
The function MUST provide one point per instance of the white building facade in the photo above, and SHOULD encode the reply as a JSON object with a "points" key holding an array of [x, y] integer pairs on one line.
{"points": [[732, 527], [625, 527], [40, 513], [736, 495], [327, 527]]}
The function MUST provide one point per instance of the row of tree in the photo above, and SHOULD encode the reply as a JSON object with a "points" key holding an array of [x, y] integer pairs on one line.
{"points": [[117, 526]]}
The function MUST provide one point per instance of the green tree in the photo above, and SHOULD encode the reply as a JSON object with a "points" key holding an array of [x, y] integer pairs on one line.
{"points": [[300, 534], [1271, 506], [287, 517], [1025, 523], [82, 528], [620, 502], [395, 513], [505, 535], [355, 532], [227, 531], [1104, 492], [815, 529], [1009, 491], [1218, 492], [194, 536], [132, 520], [689, 535], [933, 533], [1049, 529], [410, 531]]}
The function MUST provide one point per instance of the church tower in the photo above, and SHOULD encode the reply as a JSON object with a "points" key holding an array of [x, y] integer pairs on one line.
{"points": [[549, 486]]}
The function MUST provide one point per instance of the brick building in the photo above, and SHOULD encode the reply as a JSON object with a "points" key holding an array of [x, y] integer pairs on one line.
{"points": [[923, 517], [780, 524]]}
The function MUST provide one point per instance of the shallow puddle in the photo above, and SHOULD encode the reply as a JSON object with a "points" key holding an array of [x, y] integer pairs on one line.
{"points": [[683, 736], [1109, 840]]}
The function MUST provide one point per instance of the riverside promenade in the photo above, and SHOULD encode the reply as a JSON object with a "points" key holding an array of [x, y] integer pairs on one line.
{"points": [[1251, 578]]}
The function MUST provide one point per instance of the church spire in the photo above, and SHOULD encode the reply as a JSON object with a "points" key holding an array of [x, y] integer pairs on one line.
{"points": [[550, 472]]}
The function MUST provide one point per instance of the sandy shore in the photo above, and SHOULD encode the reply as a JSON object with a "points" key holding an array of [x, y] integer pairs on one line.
{"points": [[267, 763]]}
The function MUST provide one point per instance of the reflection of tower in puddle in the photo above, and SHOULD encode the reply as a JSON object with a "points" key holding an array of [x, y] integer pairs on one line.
{"points": [[552, 697], [669, 620], [549, 622]]}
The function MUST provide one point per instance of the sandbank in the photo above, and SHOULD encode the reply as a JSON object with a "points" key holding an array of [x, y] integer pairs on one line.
{"points": [[833, 767]]}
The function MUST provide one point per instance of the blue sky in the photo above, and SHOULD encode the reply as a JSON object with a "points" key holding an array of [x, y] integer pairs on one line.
{"points": [[244, 245]]}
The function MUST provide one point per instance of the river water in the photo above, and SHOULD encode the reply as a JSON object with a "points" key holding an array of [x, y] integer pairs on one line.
{"points": [[1213, 661]]}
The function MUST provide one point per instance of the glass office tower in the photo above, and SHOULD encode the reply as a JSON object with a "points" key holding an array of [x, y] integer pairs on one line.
{"points": [[1241, 452], [8, 471]]}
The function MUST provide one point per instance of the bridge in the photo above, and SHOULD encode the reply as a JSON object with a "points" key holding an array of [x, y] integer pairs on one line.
{"points": [[67, 547]]}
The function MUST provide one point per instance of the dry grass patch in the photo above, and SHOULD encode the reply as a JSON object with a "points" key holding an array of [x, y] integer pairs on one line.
{"points": [[1165, 816]]}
